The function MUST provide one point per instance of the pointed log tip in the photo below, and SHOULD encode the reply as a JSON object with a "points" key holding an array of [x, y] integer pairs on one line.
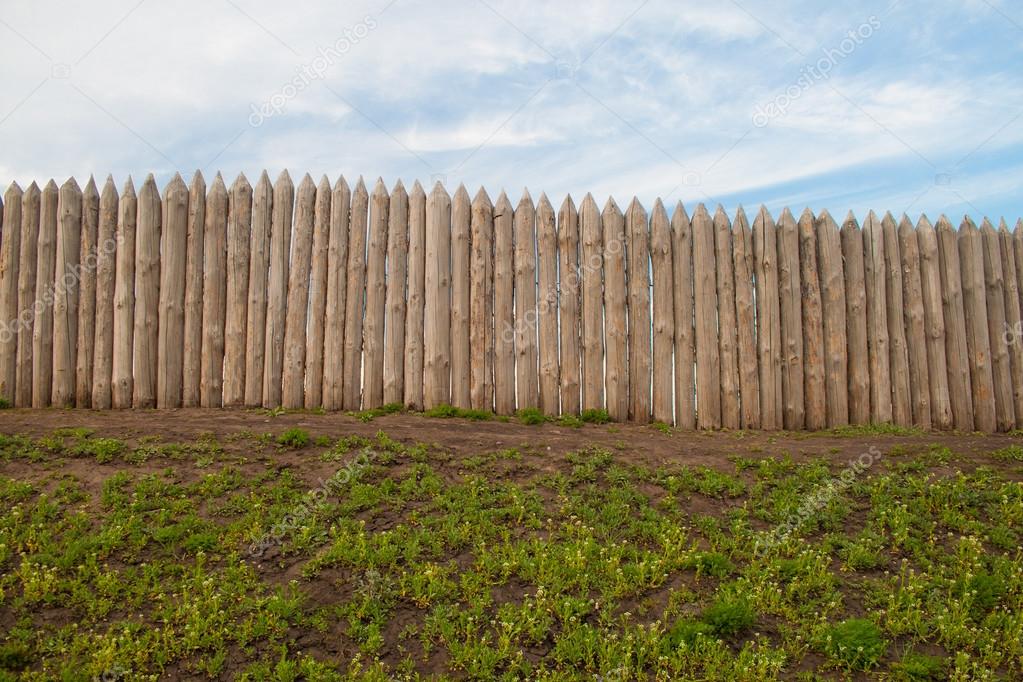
{"points": [[825, 215], [967, 224], [526, 198], [612, 206], [129, 187], [264, 176], [14, 187], [589, 201], [701, 211], [399, 186], [461, 193], [177, 183], [807, 214], [944, 222], [680, 213], [71, 184], [986, 224], [197, 176], [218, 183], [503, 202], [719, 212], [786, 214], [91, 185], [52, 185], [341, 184], [905, 223], [241, 182], [32, 188], [923, 221], [481, 197]]}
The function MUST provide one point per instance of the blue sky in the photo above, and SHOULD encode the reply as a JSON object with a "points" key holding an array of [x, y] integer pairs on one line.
{"points": [[920, 108]]}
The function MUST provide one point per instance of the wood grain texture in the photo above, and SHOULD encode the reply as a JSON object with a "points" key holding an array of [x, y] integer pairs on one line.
{"points": [[745, 314], [31, 202], [591, 304], [526, 358], [123, 385], [461, 254], [994, 290], [856, 321], [356, 298], [1012, 319], [769, 348], [685, 332], [437, 331], [147, 295], [86, 345], [194, 267], [504, 293], [214, 302], [728, 342], [259, 267], [616, 377], [297, 305], [879, 353], [934, 324], [814, 394], [65, 292], [638, 277], [663, 314], [570, 327], [978, 342], [902, 408], [337, 296], [239, 235], [277, 289], [790, 296], [481, 313], [173, 254], [708, 362], [547, 305], [397, 291], [415, 310], [916, 326], [956, 355], [313, 380], [106, 269], [9, 260], [376, 298], [834, 325]]}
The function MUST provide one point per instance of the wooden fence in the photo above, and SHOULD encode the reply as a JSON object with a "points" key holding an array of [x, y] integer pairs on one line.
{"points": [[348, 299]]}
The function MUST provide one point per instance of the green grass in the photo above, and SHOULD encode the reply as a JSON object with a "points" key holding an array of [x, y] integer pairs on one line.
{"points": [[378, 558], [448, 411]]}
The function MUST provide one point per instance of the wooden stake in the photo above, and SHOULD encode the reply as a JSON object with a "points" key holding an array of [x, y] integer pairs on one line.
{"points": [[934, 324], [956, 354], [123, 386], [547, 305], [415, 312], [568, 307], [65, 293], [42, 328], [856, 319], [708, 359], [194, 267], [27, 263], [592, 310], [994, 287], [173, 252], [337, 296], [318, 298], [790, 295], [239, 234], [376, 299], [297, 304], [814, 394], [834, 325], [877, 321], [106, 269], [685, 341], [504, 291], [356, 298], [481, 334], [277, 290], [1012, 320], [749, 380], [978, 342], [259, 264], [397, 292], [727, 327], [461, 217], [437, 332], [526, 371], [916, 342], [663, 315], [616, 378], [86, 342], [10, 252], [147, 295], [902, 409], [637, 234], [214, 287]]}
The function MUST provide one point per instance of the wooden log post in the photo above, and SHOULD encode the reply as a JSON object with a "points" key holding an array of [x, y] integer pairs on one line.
{"points": [[65, 292], [10, 252], [685, 332], [461, 254], [437, 332], [708, 359], [123, 383], [277, 290], [956, 354], [547, 305], [569, 280], [856, 321], [397, 291], [765, 268], [416, 308], [239, 234], [526, 360], [214, 286], [727, 327], [592, 304], [27, 263], [481, 313], [173, 254], [814, 393], [194, 267], [877, 321], [297, 303], [790, 295], [616, 377], [1001, 366], [106, 271], [86, 342], [832, 283], [916, 343], [313, 381], [637, 236], [337, 296], [978, 342], [934, 324], [356, 298], [749, 379], [147, 295], [504, 292], [259, 265], [902, 408], [663, 314], [1013, 330], [42, 326], [376, 298]]}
